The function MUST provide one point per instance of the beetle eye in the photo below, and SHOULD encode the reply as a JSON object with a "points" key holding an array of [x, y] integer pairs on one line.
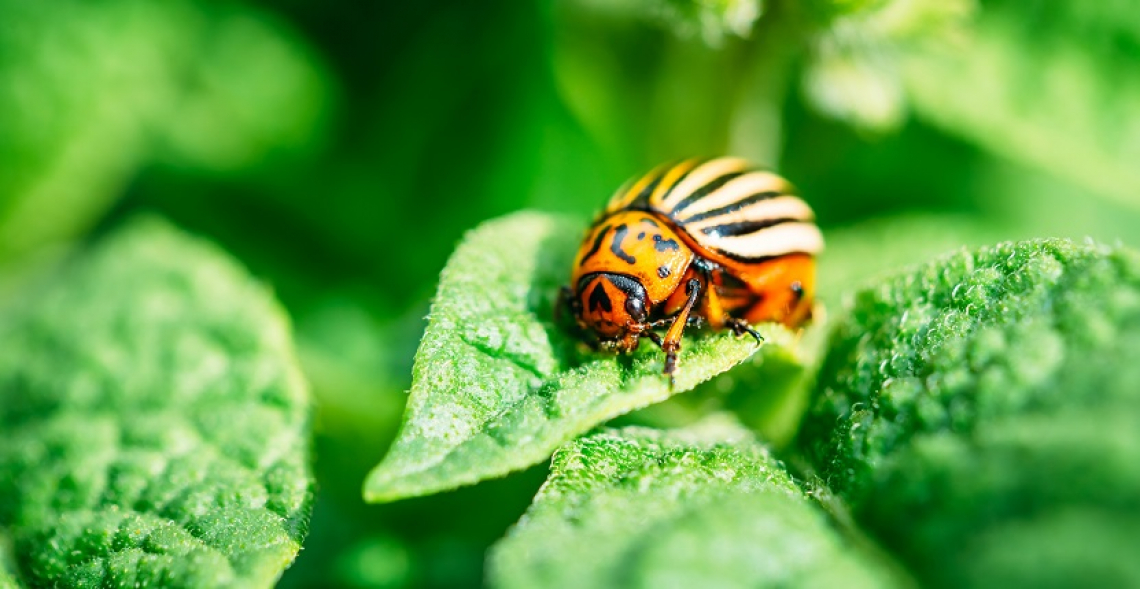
{"points": [[636, 308]]}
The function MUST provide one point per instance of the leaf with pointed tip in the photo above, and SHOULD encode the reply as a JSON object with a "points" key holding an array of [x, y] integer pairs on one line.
{"points": [[498, 385]]}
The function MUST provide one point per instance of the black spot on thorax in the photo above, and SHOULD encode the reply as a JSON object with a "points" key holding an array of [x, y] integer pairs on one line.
{"points": [[597, 243], [619, 236], [665, 245], [663, 271], [599, 298]]}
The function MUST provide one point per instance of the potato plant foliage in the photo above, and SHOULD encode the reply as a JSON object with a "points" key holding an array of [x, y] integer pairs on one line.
{"points": [[155, 423], [972, 414], [973, 417], [278, 283], [978, 413]]}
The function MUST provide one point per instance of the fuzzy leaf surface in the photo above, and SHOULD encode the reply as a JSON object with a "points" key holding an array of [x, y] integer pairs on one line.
{"points": [[688, 508], [978, 414], [498, 385], [155, 424]]}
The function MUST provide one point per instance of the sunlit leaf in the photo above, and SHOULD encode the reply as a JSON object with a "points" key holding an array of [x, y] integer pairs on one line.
{"points": [[498, 385], [706, 507]]}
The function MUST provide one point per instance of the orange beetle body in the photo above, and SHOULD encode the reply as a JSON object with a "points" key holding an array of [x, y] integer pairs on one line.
{"points": [[703, 240]]}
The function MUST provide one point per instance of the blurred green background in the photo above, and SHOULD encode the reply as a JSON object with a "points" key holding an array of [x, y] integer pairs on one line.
{"points": [[340, 149]]}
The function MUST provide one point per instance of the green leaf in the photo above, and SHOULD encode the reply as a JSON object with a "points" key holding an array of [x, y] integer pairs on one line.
{"points": [[1067, 107], [771, 394], [202, 86], [708, 507], [498, 386], [155, 423], [990, 396], [251, 92], [865, 253], [854, 73]]}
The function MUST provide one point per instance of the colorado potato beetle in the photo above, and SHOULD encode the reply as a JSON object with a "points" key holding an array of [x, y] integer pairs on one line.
{"points": [[702, 240]]}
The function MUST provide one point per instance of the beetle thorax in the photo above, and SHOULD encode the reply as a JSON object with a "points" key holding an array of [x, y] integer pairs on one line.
{"points": [[629, 263], [639, 245]]}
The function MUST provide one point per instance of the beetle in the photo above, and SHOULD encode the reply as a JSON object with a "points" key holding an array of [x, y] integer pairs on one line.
{"points": [[703, 240]]}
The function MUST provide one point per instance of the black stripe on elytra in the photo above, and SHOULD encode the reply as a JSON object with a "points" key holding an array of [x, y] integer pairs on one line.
{"points": [[704, 191], [733, 207], [615, 246], [599, 298], [745, 227], [641, 201], [597, 244], [680, 179], [665, 245], [761, 259]]}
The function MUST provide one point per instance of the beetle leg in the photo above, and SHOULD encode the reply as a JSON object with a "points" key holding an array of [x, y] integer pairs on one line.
{"points": [[714, 311], [801, 309], [741, 327], [717, 317], [672, 340]]}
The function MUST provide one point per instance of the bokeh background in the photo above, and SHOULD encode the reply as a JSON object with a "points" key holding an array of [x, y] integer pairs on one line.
{"points": [[340, 149]]}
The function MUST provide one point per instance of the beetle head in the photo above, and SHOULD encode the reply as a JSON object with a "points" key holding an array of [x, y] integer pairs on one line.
{"points": [[614, 307]]}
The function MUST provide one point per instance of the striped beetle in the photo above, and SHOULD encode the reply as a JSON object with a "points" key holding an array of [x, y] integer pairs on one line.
{"points": [[702, 240]]}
